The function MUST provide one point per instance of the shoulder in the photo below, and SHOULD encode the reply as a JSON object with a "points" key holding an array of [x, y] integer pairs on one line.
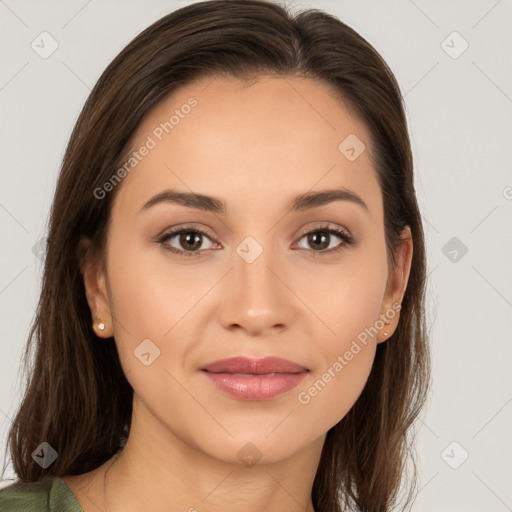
{"points": [[31, 497], [44, 496]]}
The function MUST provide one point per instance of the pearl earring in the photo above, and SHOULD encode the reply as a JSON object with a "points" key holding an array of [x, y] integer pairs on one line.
{"points": [[101, 325], [387, 322]]}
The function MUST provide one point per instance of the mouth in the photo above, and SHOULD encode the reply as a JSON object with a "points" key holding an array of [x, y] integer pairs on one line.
{"points": [[255, 379]]}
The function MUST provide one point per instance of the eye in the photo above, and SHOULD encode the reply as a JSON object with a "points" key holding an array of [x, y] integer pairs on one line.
{"points": [[189, 241], [321, 238]]}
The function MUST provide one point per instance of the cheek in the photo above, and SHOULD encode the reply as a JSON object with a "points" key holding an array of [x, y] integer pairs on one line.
{"points": [[349, 298], [156, 300], [148, 308], [331, 392], [142, 303], [150, 296], [345, 359], [351, 308]]}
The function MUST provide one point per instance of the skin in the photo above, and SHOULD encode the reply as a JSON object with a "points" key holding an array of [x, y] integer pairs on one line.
{"points": [[256, 146]]}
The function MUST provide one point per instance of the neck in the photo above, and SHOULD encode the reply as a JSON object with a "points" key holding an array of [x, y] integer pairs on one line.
{"points": [[158, 471]]}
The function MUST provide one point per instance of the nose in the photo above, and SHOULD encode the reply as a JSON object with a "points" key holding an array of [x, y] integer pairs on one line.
{"points": [[257, 298]]}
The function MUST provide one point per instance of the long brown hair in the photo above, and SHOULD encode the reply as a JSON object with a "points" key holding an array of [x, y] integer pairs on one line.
{"points": [[77, 398]]}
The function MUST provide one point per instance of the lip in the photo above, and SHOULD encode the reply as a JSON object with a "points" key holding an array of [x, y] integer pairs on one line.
{"points": [[255, 379]]}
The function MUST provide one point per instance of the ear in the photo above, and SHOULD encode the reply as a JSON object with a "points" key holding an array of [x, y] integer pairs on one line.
{"points": [[93, 272], [396, 286]]}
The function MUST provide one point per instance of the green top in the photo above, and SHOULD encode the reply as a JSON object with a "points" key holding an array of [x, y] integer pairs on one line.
{"points": [[50, 495]]}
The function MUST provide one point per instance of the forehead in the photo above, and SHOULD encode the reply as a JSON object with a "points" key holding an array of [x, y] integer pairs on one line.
{"points": [[256, 139]]}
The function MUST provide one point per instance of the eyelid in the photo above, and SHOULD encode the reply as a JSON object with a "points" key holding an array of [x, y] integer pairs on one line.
{"points": [[304, 231], [185, 227], [323, 225]]}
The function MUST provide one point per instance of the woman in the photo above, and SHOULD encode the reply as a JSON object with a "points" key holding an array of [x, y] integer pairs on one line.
{"points": [[232, 307]]}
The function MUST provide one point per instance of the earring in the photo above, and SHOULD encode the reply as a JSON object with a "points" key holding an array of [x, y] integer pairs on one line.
{"points": [[101, 325], [385, 334]]}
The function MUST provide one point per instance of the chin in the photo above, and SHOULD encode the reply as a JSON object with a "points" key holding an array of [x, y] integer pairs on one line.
{"points": [[250, 446]]}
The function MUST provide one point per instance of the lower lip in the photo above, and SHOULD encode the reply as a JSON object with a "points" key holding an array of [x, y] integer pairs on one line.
{"points": [[255, 387]]}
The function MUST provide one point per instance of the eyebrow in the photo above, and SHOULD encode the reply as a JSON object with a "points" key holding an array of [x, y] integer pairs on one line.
{"points": [[301, 203]]}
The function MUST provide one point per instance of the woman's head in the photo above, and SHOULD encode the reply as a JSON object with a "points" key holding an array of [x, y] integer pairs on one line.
{"points": [[291, 126]]}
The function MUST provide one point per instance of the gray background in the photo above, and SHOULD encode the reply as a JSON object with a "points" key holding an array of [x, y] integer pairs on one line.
{"points": [[459, 110]]}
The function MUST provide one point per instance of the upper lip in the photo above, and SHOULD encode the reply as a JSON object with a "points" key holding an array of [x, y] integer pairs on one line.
{"points": [[242, 364]]}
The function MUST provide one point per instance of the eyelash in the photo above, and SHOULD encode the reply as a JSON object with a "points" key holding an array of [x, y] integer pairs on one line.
{"points": [[345, 237]]}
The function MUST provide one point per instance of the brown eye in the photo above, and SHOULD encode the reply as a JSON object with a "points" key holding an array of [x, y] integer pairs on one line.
{"points": [[321, 240], [190, 240], [185, 241]]}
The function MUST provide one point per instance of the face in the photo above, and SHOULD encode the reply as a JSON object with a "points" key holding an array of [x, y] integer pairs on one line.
{"points": [[267, 268]]}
